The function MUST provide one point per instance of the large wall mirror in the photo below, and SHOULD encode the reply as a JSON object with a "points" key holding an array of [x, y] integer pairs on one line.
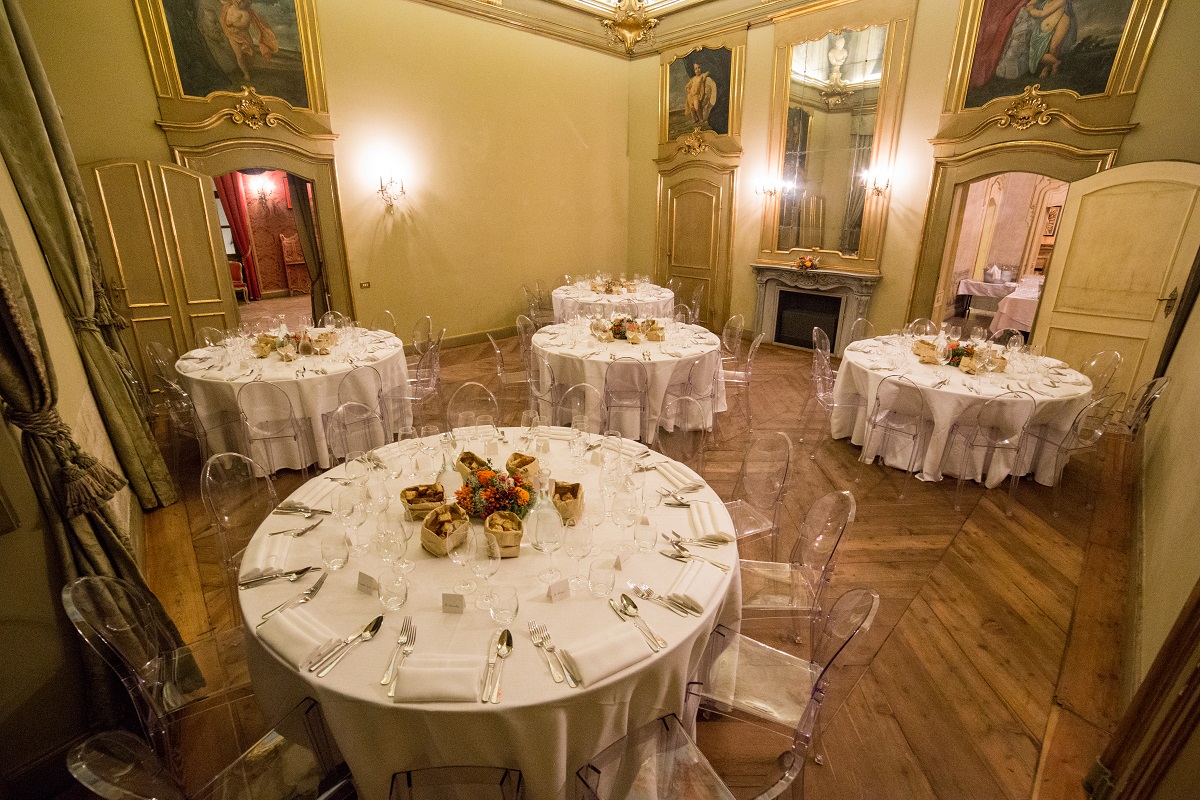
{"points": [[837, 106]]}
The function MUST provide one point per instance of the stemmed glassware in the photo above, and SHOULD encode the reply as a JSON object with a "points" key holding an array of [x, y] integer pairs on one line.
{"points": [[577, 445], [485, 425], [954, 332], [485, 562], [461, 554], [611, 477], [627, 510], [465, 429], [530, 420], [349, 506], [430, 444], [547, 530], [578, 544]]}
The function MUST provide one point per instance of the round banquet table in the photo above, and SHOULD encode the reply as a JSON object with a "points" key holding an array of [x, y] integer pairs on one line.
{"points": [[310, 382], [648, 299], [866, 363], [546, 729], [581, 358]]}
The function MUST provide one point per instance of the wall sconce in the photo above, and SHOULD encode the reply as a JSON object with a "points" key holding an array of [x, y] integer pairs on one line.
{"points": [[263, 188], [771, 188], [391, 191], [876, 182]]}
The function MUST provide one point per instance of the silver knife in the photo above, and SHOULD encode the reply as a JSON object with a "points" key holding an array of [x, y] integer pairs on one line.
{"points": [[261, 579], [303, 597], [493, 642]]}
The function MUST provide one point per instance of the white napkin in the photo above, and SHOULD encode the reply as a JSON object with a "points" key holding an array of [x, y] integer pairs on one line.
{"points": [[704, 521], [676, 474], [924, 379], [314, 493], [595, 657], [439, 678], [294, 634], [697, 583], [672, 353], [1047, 390], [553, 432], [265, 554]]}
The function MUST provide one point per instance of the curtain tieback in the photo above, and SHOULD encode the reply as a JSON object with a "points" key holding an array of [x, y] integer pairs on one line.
{"points": [[86, 484], [85, 324]]}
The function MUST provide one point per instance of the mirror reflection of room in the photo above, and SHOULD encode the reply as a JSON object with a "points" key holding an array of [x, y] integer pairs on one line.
{"points": [[833, 97]]}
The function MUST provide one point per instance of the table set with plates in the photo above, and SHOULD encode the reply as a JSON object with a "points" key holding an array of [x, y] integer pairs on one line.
{"points": [[213, 376], [533, 719], [1058, 392], [577, 356], [594, 298]]}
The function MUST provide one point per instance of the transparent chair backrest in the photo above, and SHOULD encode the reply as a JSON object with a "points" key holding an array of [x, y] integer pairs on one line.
{"points": [[531, 298], [498, 355], [361, 385], [1101, 368], [1001, 420], [583, 399], [821, 531], [861, 329], [525, 331], [625, 382], [820, 340], [163, 359], [750, 354], [541, 380], [702, 379], [1143, 400], [922, 327], [180, 410], [731, 335], [1090, 423], [238, 496], [852, 614], [332, 319], [696, 301], [626, 309], [688, 432], [681, 373], [267, 411], [384, 321], [117, 765], [764, 471], [900, 399], [209, 336], [422, 334], [473, 398], [676, 286], [354, 428], [1003, 336], [682, 314], [425, 373]]}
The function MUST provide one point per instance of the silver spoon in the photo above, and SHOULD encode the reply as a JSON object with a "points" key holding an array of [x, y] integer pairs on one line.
{"points": [[630, 608], [685, 552], [503, 647], [366, 636]]}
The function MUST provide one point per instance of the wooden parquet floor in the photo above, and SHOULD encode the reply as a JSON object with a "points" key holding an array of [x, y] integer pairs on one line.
{"points": [[959, 687]]}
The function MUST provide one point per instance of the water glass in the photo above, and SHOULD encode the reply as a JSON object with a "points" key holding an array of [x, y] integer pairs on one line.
{"points": [[393, 590], [505, 604], [545, 525], [577, 445], [578, 544], [461, 554], [485, 562], [645, 533], [335, 551], [602, 577]]}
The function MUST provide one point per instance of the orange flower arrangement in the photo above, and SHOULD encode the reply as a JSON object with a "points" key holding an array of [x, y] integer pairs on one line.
{"points": [[487, 491]]}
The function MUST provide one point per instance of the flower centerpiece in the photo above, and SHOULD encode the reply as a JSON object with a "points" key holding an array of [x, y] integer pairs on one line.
{"points": [[487, 491], [806, 262], [959, 352], [623, 326]]}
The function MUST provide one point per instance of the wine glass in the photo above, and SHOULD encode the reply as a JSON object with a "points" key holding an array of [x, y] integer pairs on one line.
{"points": [[430, 443], [611, 479], [578, 544], [461, 553], [377, 498], [485, 562], [627, 510], [355, 468], [547, 530], [530, 421], [485, 424], [577, 445], [954, 331], [464, 428], [349, 506]]}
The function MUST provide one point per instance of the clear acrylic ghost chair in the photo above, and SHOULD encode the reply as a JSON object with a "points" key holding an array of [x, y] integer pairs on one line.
{"points": [[271, 425], [162, 359], [900, 410], [626, 309], [571, 308], [208, 336], [731, 339], [1137, 411], [384, 321], [760, 486], [824, 381], [997, 425], [739, 378], [795, 589], [1083, 435], [184, 423], [1002, 336], [695, 303], [512, 386], [331, 320], [419, 396], [676, 287], [361, 385], [422, 337], [470, 398], [539, 313], [354, 428], [525, 331], [477, 783], [820, 342], [179, 690], [238, 495], [626, 390], [543, 388], [682, 314], [677, 384], [297, 759], [1100, 369], [682, 432], [861, 329], [922, 327], [585, 400]]}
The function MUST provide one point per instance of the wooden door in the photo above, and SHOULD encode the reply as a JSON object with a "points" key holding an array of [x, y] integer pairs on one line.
{"points": [[694, 234], [1126, 242], [162, 252]]}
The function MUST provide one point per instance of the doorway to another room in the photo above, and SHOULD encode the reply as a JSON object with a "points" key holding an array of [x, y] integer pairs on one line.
{"points": [[1003, 234]]}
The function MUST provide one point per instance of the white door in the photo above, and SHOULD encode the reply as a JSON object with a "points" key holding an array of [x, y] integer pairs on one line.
{"points": [[1126, 242]]}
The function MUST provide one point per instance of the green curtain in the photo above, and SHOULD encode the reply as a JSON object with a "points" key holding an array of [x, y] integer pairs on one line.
{"points": [[33, 143], [302, 212]]}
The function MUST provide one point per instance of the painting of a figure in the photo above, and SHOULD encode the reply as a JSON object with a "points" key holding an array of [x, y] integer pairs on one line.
{"points": [[222, 45], [1058, 44], [698, 95]]}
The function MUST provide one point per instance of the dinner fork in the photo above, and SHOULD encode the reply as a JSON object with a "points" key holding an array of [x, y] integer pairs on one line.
{"points": [[405, 628], [405, 652], [536, 634], [551, 649]]}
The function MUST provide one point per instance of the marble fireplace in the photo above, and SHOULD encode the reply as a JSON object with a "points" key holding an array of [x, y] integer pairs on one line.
{"points": [[838, 297]]}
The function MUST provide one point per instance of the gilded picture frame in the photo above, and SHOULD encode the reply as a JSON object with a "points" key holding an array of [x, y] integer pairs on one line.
{"points": [[713, 72]]}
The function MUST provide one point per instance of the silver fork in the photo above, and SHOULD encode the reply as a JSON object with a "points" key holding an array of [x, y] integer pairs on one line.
{"points": [[405, 629], [536, 633], [552, 650], [404, 653]]}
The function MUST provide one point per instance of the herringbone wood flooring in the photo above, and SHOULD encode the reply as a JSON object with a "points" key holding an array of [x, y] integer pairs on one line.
{"points": [[960, 684]]}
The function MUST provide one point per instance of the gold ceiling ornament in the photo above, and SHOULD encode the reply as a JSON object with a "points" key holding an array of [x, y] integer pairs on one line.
{"points": [[252, 110], [836, 94], [1027, 110], [630, 26], [693, 144]]}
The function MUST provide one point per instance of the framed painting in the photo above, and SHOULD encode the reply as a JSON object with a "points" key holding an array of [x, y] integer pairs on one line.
{"points": [[1061, 45], [1052, 215], [699, 92]]}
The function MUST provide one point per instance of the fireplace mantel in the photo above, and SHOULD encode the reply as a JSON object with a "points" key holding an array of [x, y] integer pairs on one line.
{"points": [[855, 289]]}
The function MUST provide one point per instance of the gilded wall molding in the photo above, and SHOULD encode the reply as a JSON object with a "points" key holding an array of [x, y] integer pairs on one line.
{"points": [[251, 110], [1030, 109]]}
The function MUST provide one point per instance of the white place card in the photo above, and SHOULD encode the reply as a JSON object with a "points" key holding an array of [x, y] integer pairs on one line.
{"points": [[559, 590], [367, 584], [453, 603]]}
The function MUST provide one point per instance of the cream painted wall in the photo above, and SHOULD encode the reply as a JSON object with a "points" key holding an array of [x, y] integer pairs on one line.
{"points": [[512, 149], [643, 172]]}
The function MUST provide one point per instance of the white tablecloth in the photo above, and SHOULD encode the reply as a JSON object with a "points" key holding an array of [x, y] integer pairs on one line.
{"points": [[651, 301], [546, 730], [313, 394], [588, 359], [1018, 309], [866, 363], [984, 289]]}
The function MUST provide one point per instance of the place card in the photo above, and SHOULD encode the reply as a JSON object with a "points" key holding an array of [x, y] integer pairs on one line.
{"points": [[453, 603], [367, 584], [559, 590]]}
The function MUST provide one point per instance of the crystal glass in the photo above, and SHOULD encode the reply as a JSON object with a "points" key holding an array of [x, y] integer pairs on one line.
{"points": [[335, 551], [485, 424], [431, 445], [378, 498], [578, 544], [577, 445], [546, 527], [611, 479], [355, 469], [485, 562], [505, 604], [464, 429], [461, 554], [393, 591], [349, 506], [602, 576], [627, 510], [645, 534], [530, 422], [954, 331]]}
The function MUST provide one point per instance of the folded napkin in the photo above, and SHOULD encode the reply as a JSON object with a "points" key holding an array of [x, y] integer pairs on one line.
{"points": [[554, 432], [315, 494], [704, 521], [594, 658], [1047, 390], [676, 474], [697, 584], [672, 352], [925, 380], [439, 678], [294, 634]]}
